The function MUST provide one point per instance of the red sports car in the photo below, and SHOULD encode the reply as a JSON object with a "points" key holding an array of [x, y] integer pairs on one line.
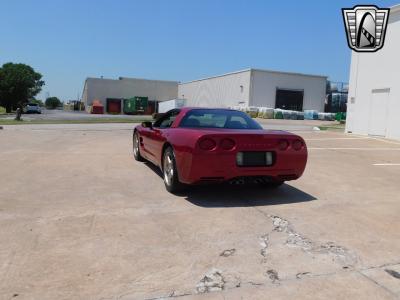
{"points": [[205, 145]]}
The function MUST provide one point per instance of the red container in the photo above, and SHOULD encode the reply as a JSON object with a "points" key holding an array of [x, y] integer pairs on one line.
{"points": [[97, 110], [97, 107], [151, 108], [114, 106]]}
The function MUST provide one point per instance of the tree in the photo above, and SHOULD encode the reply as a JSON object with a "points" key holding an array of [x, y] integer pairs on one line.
{"points": [[18, 84], [52, 102], [37, 101]]}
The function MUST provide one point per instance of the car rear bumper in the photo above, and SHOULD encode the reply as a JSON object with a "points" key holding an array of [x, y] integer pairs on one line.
{"points": [[221, 167]]}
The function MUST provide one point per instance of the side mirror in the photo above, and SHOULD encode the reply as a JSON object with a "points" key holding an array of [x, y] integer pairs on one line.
{"points": [[147, 124]]}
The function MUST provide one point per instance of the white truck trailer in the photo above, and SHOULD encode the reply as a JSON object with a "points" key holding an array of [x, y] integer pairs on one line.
{"points": [[167, 105]]}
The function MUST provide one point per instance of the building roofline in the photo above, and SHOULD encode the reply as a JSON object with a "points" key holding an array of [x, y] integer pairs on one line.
{"points": [[395, 8], [257, 70], [131, 78], [123, 78], [289, 73], [216, 76]]}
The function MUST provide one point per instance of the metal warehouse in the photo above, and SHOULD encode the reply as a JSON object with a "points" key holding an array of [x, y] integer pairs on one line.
{"points": [[111, 93], [374, 89], [254, 87]]}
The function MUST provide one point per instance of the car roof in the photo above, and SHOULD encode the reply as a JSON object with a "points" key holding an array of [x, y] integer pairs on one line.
{"points": [[188, 108]]}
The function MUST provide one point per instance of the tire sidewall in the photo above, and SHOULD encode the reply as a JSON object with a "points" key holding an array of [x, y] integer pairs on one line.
{"points": [[175, 184], [136, 155]]}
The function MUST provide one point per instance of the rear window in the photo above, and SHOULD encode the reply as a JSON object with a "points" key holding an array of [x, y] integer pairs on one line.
{"points": [[32, 104], [218, 118]]}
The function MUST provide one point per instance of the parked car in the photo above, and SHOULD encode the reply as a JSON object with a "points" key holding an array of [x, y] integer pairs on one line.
{"points": [[32, 108], [203, 145]]}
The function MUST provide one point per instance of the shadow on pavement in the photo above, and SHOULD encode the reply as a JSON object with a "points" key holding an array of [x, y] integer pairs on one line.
{"points": [[154, 168], [225, 195], [241, 196]]}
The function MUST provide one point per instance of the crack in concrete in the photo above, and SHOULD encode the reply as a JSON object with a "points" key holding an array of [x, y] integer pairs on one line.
{"points": [[281, 280], [228, 252], [347, 257], [213, 281], [253, 283], [264, 242], [172, 295], [273, 275], [376, 282], [302, 274], [296, 239], [393, 273]]}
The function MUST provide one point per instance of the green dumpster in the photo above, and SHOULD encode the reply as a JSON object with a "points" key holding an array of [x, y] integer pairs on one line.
{"points": [[278, 114], [135, 105], [129, 106], [340, 116]]}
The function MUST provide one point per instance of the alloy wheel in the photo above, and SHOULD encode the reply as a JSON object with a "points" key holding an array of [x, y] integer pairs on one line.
{"points": [[168, 169]]}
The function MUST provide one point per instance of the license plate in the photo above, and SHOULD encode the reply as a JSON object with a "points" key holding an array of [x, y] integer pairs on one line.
{"points": [[254, 159]]}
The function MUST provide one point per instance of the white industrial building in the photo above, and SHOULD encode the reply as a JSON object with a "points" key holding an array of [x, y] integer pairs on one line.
{"points": [[374, 89], [115, 90], [254, 87]]}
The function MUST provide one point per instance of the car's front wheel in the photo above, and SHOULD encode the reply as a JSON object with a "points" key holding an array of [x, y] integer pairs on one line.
{"points": [[170, 173], [136, 147]]}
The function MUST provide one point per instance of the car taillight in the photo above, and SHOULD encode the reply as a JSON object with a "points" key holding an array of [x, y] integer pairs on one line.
{"points": [[227, 144], [207, 144], [283, 144], [297, 145]]}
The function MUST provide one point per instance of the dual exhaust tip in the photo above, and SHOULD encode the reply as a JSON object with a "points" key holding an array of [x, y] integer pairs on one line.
{"points": [[251, 180]]}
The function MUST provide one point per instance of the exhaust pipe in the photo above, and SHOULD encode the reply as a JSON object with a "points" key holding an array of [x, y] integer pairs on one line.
{"points": [[237, 181]]}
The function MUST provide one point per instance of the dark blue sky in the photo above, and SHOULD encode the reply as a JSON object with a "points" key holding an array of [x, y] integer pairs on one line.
{"points": [[181, 40]]}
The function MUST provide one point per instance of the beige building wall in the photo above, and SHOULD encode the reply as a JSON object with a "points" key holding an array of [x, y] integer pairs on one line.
{"points": [[221, 91], [124, 88], [253, 87], [265, 84], [374, 89]]}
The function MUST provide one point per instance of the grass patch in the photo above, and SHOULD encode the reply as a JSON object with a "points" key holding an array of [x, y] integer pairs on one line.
{"points": [[333, 127], [83, 121]]}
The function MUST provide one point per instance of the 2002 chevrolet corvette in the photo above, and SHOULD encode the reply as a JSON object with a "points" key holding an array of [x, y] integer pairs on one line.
{"points": [[204, 145]]}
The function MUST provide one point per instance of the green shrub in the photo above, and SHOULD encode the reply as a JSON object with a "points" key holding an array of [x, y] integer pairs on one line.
{"points": [[37, 101], [2, 110], [52, 102]]}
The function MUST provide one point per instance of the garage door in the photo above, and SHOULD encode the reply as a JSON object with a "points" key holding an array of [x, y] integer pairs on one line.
{"points": [[378, 112], [114, 106], [289, 99]]}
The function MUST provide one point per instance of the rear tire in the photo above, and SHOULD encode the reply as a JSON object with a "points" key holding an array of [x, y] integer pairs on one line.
{"points": [[170, 173], [136, 147]]}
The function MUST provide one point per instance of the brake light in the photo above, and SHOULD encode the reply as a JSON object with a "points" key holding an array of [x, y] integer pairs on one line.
{"points": [[283, 145], [297, 145], [227, 144], [207, 144]]}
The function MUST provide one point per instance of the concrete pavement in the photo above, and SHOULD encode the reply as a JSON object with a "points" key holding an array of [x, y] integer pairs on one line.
{"points": [[80, 219]]}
